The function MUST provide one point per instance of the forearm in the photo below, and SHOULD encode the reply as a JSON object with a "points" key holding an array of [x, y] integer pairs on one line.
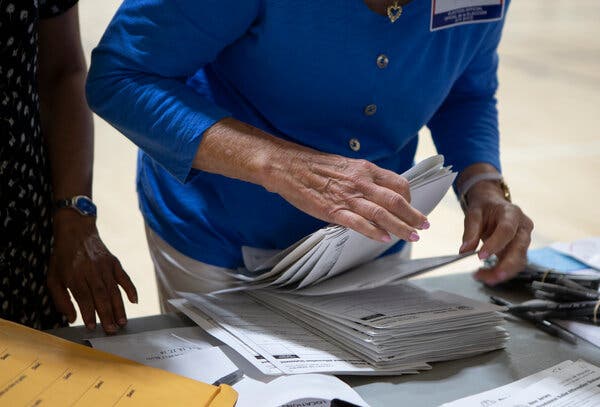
{"points": [[237, 150], [68, 131]]}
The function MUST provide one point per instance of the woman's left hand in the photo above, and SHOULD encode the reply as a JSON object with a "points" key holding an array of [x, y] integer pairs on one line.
{"points": [[81, 263], [502, 226]]}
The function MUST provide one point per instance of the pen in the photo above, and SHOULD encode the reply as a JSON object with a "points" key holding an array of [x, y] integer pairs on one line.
{"points": [[555, 306], [583, 294], [539, 322]]}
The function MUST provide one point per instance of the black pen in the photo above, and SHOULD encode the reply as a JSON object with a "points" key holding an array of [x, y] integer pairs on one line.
{"points": [[555, 306], [539, 322], [583, 294]]}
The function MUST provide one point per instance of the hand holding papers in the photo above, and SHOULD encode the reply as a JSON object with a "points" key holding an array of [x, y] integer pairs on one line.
{"points": [[333, 250]]}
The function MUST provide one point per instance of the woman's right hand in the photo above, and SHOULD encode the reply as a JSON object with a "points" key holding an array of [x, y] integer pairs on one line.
{"points": [[340, 190], [348, 192]]}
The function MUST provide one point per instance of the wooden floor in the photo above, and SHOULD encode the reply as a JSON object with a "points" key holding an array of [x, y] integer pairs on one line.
{"points": [[549, 103]]}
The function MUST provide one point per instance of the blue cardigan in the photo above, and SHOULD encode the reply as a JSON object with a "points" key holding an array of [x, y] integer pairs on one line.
{"points": [[332, 75]]}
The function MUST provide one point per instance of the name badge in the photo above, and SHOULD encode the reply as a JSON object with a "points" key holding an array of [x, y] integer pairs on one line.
{"points": [[450, 13]]}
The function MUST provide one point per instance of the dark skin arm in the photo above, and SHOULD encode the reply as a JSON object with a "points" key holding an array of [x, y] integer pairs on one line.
{"points": [[80, 261]]}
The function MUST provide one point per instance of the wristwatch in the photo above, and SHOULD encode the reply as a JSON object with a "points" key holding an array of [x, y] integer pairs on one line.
{"points": [[483, 177], [81, 203]]}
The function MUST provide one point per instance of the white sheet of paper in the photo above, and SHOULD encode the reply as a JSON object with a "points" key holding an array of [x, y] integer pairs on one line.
{"points": [[205, 322], [315, 390], [378, 273], [186, 351], [578, 385], [585, 250], [493, 396]]}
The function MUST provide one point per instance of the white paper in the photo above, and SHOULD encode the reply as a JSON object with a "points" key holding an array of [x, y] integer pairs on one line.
{"points": [[578, 385], [493, 396], [185, 351], [585, 250], [315, 390], [384, 271]]}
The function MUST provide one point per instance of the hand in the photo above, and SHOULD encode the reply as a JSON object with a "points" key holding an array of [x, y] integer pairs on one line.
{"points": [[348, 192], [503, 227], [81, 263]]}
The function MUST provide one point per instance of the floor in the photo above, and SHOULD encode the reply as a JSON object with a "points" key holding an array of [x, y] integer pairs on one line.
{"points": [[549, 111]]}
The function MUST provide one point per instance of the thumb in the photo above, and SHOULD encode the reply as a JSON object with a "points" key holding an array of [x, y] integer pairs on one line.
{"points": [[472, 233]]}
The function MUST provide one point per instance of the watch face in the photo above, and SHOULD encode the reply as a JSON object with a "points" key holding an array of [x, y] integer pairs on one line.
{"points": [[85, 206]]}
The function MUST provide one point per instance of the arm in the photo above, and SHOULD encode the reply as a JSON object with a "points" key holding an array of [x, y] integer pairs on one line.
{"points": [[80, 262], [465, 130], [137, 83]]}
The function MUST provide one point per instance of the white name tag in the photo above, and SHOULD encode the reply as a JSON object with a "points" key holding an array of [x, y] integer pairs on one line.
{"points": [[449, 13]]}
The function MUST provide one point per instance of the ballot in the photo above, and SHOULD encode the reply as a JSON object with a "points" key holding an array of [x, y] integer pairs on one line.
{"points": [[391, 330], [38, 369], [335, 250], [568, 384]]}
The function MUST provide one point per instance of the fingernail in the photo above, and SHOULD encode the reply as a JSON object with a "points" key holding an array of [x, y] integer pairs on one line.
{"points": [[122, 322], [502, 276], [386, 238], [413, 237], [425, 225], [111, 327], [91, 327], [483, 255], [463, 246]]}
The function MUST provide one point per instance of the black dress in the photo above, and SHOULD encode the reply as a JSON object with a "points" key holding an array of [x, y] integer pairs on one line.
{"points": [[25, 190]]}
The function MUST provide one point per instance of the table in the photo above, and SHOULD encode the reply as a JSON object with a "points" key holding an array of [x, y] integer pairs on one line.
{"points": [[528, 351]]}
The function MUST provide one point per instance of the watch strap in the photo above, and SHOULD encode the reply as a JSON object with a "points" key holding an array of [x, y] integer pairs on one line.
{"points": [[488, 176]]}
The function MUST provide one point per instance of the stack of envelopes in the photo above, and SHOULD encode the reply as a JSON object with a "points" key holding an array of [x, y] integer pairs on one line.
{"points": [[333, 250]]}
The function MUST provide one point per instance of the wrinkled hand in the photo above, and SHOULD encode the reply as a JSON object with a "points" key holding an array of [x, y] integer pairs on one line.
{"points": [[504, 229], [81, 263], [348, 192]]}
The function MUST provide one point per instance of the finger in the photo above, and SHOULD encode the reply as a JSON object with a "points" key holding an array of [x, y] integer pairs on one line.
{"points": [[83, 296], [472, 232], [397, 205], [391, 180], [384, 219], [511, 261], [504, 232], [62, 299], [117, 304], [122, 278], [356, 222], [102, 300]]}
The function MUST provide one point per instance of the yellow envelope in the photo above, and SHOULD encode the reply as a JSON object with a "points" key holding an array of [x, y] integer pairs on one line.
{"points": [[38, 369]]}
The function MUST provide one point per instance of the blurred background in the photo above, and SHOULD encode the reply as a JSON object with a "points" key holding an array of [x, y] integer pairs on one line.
{"points": [[549, 102]]}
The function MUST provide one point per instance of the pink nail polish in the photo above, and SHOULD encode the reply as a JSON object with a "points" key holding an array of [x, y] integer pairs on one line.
{"points": [[386, 239], [483, 255], [425, 225], [413, 237], [501, 276], [462, 247]]}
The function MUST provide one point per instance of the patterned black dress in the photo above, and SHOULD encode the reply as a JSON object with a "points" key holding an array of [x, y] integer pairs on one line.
{"points": [[25, 191]]}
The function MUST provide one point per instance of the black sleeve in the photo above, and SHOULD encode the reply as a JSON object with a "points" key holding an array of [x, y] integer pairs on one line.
{"points": [[53, 8]]}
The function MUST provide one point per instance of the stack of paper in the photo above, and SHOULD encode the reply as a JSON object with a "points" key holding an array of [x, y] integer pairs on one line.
{"points": [[389, 330], [335, 249], [572, 384]]}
